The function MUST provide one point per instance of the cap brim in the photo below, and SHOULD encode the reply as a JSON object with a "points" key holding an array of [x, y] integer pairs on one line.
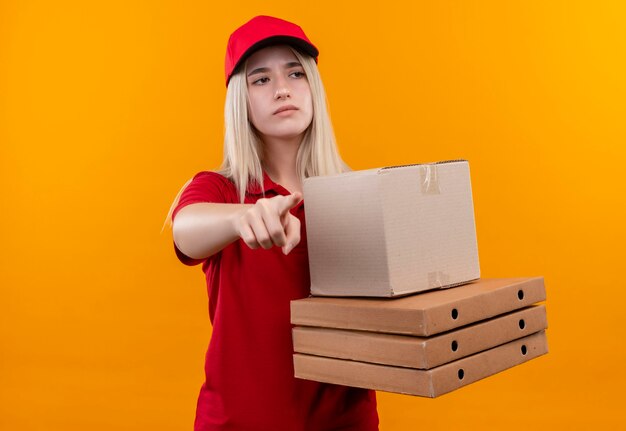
{"points": [[297, 43]]}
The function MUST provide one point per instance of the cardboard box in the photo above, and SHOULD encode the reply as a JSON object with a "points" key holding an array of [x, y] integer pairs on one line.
{"points": [[419, 352], [391, 231], [424, 314], [427, 383]]}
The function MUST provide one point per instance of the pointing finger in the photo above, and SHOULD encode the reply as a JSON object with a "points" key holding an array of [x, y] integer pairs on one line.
{"points": [[289, 202]]}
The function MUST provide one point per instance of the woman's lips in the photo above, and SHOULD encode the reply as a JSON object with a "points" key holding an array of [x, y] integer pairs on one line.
{"points": [[286, 108]]}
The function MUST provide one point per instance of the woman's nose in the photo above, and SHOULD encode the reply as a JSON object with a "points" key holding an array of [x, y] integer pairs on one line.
{"points": [[281, 93], [282, 89]]}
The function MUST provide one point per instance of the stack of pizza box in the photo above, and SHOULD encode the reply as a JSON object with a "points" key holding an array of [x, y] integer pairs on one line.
{"points": [[397, 300]]}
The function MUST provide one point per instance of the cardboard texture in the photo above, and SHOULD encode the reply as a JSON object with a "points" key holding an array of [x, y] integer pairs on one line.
{"points": [[391, 231], [419, 352], [427, 383], [423, 314]]}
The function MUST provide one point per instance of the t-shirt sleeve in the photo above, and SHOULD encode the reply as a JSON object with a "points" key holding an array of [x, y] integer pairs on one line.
{"points": [[204, 187]]}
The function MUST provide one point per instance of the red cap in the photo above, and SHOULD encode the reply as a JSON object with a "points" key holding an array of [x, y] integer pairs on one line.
{"points": [[262, 31]]}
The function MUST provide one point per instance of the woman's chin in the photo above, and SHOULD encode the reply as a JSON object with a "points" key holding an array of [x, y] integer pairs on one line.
{"points": [[283, 135]]}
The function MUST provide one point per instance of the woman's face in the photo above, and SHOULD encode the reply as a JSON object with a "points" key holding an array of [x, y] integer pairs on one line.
{"points": [[280, 102]]}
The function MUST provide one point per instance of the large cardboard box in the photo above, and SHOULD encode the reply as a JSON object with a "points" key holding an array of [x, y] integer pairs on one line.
{"points": [[423, 314], [427, 383], [391, 231], [419, 352]]}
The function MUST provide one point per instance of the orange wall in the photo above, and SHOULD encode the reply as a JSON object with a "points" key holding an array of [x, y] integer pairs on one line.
{"points": [[107, 108]]}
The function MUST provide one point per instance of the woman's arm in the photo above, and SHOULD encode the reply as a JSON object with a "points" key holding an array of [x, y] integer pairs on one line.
{"points": [[203, 229]]}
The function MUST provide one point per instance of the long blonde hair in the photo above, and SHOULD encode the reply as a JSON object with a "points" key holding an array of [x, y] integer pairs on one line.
{"points": [[243, 149]]}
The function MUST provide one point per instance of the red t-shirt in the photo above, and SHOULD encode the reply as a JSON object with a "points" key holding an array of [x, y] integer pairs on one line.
{"points": [[250, 383]]}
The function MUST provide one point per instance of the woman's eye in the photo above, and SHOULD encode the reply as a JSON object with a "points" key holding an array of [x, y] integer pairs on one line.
{"points": [[298, 74], [260, 81]]}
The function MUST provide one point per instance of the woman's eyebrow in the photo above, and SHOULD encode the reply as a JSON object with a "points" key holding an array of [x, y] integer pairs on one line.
{"points": [[266, 69], [292, 64], [259, 70]]}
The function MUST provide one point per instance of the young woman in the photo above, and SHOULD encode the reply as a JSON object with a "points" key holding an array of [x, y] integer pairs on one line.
{"points": [[246, 225]]}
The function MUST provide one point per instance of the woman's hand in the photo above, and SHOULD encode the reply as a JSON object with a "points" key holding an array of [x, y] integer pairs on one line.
{"points": [[269, 223]]}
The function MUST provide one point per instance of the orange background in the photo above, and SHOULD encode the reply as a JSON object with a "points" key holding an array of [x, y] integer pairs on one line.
{"points": [[107, 108]]}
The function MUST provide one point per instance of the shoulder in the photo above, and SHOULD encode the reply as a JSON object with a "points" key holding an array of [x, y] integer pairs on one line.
{"points": [[211, 181], [212, 176], [206, 186]]}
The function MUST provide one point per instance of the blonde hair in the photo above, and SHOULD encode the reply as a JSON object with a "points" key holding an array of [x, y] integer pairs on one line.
{"points": [[243, 149]]}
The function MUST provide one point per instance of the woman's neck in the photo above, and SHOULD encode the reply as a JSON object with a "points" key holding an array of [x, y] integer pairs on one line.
{"points": [[279, 161]]}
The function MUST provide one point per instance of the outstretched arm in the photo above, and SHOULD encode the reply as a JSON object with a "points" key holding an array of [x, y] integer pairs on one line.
{"points": [[203, 229]]}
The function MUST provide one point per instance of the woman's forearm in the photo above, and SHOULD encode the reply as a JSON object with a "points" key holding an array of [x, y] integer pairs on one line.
{"points": [[202, 229]]}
